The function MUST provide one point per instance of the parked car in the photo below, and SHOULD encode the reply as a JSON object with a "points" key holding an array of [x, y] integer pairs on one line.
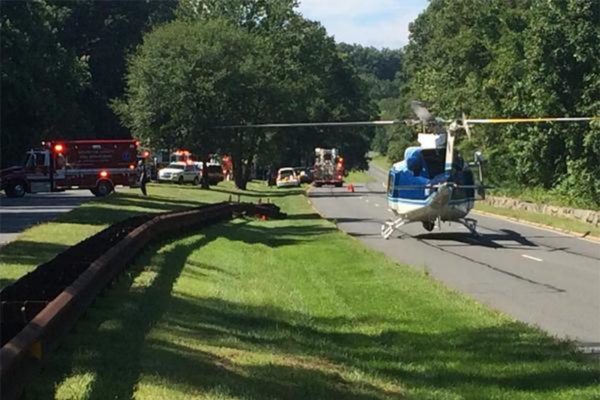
{"points": [[286, 177], [180, 172], [304, 174], [215, 172]]}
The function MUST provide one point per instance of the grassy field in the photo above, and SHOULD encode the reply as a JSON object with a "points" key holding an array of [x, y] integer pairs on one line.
{"points": [[545, 196], [382, 162], [359, 177], [564, 224], [40, 243], [294, 309]]}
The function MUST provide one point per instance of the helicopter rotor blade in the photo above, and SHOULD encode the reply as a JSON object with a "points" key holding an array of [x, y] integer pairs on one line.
{"points": [[314, 124], [420, 111], [466, 126], [528, 120]]}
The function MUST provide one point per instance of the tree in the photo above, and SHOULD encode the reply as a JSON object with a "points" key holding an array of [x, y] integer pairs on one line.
{"points": [[41, 78], [189, 77], [62, 63], [270, 65], [525, 58], [105, 33]]}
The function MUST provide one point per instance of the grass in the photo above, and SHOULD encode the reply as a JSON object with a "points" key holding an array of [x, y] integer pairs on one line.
{"points": [[296, 309], [42, 242], [355, 176], [545, 196], [381, 161], [560, 223]]}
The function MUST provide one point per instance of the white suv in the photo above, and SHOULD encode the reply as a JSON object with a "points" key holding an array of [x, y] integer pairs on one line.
{"points": [[180, 172]]}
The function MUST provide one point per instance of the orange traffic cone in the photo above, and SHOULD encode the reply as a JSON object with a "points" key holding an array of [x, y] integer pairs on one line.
{"points": [[263, 217], [351, 187]]}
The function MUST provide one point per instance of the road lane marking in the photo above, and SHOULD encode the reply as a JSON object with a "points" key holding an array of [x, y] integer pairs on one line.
{"points": [[532, 258], [367, 200], [376, 205]]}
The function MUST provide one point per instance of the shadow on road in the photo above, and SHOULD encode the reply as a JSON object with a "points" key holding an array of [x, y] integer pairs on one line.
{"points": [[490, 240]]}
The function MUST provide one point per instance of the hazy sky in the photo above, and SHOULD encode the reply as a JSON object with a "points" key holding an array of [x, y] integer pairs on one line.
{"points": [[379, 23]]}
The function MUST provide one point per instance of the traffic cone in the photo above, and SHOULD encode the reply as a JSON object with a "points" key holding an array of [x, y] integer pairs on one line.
{"points": [[351, 187], [263, 217]]}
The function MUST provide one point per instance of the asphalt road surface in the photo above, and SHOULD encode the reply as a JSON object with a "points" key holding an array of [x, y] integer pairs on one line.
{"points": [[17, 214], [538, 276]]}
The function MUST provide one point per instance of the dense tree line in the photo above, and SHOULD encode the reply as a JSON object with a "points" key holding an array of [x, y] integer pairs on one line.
{"points": [[239, 62], [170, 72], [513, 58], [62, 62]]}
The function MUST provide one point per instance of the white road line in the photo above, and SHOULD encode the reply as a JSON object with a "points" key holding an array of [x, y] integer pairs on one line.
{"points": [[376, 205], [532, 258], [367, 200], [384, 186]]}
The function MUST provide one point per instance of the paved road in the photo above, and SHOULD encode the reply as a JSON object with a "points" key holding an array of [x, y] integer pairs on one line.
{"points": [[18, 214], [535, 275]]}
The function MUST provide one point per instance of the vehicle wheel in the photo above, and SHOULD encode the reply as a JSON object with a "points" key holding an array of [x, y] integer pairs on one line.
{"points": [[180, 180], [428, 225], [196, 181], [339, 184], [16, 190], [104, 188]]}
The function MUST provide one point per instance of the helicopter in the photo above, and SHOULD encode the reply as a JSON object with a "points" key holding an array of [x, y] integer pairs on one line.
{"points": [[432, 184]]}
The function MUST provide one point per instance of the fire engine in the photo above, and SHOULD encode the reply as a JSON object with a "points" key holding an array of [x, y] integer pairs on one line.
{"points": [[329, 168], [97, 165]]}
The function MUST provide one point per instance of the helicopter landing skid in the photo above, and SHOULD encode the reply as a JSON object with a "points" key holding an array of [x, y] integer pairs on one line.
{"points": [[389, 227], [470, 224]]}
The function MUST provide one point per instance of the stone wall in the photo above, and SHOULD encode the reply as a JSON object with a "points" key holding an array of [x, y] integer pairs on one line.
{"points": [[587, 216]]}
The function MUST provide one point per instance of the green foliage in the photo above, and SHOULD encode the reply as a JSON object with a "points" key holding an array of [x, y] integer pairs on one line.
{"points": [[528, 58], [62, 62], [188, 77], [41, 79], [238, 62]]}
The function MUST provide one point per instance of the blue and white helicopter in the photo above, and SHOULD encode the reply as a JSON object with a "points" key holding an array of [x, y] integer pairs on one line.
{"points": [[433, 184]]}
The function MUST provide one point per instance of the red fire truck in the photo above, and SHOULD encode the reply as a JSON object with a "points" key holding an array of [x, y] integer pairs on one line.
{"points": [[98, 165], [329, 168]]}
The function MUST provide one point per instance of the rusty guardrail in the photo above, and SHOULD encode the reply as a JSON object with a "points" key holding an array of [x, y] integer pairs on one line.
{"points": [[24, 352]]}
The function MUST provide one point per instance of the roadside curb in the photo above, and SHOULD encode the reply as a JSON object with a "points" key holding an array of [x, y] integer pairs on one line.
{"points": [[590, 238]]}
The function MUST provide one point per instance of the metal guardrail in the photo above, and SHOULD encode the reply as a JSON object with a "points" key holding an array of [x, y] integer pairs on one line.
{"points": [[48, 320]]}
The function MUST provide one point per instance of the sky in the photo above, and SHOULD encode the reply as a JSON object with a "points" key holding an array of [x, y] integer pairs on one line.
{"points": [[378, 23]]}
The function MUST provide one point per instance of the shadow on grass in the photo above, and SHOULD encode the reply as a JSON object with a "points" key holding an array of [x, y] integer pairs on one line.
{"points": [[121, 207], [207, 344], [29, 253], [272, 236], [134, 317], [259, 194], [19, 257], [306, 216], [486, 358]]}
